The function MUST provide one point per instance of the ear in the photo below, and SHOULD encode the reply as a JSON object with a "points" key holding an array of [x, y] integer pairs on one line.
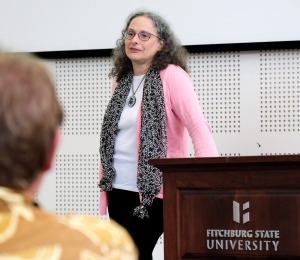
{"points": [[48, 163], [51, 151], [161, 44]]}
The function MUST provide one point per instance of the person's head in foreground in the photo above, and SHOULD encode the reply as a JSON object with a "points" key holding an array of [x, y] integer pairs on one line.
{"points": [[29, 119], [30, 116]]}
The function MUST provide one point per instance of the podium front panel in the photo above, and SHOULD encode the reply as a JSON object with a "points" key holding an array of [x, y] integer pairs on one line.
{"points": [[237, 223], [231, 208]]}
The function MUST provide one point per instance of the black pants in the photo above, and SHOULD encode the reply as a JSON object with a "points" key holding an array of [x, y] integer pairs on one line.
{"points": [[145, 232]]}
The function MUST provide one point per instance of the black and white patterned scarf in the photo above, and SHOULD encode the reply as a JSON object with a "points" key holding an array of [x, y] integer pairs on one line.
{"points": [[153, 137]]}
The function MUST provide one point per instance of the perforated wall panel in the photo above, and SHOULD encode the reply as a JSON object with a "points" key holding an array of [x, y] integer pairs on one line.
{"points": [[216, 79], [76, 185], [279, 89], [84, 90]]}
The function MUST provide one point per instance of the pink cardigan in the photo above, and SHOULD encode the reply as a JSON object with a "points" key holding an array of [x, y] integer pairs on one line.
{"points": [[184, 117]]}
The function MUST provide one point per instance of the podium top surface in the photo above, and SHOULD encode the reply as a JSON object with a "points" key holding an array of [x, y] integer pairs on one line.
{"points": [[265, 159]]}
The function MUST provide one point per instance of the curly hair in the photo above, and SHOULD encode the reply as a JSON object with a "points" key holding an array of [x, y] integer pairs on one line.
{"points": [[171, 53], [29, 116]]}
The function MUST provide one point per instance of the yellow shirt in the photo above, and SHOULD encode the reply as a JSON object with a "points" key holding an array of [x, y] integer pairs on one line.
{"points": [[27, 232]]}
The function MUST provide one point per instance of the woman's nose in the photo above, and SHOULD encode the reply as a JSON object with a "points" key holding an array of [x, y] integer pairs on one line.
{"points": [[136, 37]]}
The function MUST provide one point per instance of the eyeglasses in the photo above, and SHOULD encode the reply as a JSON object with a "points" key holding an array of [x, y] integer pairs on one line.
{"points": [[144, 36]]}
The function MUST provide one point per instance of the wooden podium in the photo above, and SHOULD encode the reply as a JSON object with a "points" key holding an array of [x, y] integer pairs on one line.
{"points": [[231, 207]]}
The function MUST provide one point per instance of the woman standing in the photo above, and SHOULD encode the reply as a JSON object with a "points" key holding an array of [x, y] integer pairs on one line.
{"points": [[152, 111]]}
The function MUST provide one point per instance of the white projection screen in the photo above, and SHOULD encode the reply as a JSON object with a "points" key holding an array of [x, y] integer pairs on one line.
{"points": [[55, 25]]}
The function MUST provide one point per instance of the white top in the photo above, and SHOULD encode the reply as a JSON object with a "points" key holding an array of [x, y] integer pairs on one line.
{"points": [[125, 153]]}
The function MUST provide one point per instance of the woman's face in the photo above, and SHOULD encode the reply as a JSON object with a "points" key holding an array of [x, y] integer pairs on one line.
{"points": [[141, 52]]}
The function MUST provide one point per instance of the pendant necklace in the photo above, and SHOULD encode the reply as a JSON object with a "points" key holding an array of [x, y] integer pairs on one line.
{"points": [[132, 99]]}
